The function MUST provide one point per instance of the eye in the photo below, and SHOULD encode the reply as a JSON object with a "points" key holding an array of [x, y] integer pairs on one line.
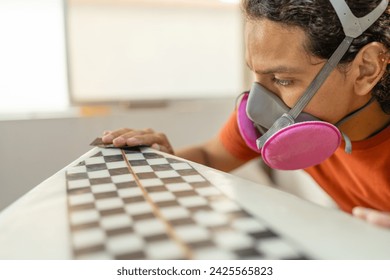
{"points": [[282, 82]]}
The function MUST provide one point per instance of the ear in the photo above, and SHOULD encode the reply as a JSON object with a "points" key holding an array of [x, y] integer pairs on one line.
{"points": [[370, 65]]}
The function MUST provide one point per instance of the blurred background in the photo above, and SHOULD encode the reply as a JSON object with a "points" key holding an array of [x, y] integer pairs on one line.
{"points": [[71, 69]]}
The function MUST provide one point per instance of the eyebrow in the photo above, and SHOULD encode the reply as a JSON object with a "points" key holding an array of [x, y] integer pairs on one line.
{"points": [[276, 69]]}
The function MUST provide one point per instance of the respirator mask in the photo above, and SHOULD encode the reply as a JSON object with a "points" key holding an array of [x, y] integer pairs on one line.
{"points": [[290, 139]]}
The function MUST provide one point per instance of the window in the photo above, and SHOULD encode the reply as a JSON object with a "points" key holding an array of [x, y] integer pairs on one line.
{"points": [[118, 51], [33, 75], [131, 49]]}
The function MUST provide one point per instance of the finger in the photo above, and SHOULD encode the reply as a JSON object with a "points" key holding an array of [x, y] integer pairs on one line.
{"points": [[157, 140], [373, 216], [109, 137], [129, 137], [360, 212], [119, 137], [143, 138], [156, 147], [135, 138], [379, 218], [161, 148]]}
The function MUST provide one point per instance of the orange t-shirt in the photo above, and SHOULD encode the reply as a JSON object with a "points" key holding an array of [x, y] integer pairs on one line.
{"points": [[358, 179]]}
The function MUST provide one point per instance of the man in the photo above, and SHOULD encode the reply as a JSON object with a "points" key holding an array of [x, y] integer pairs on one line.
{"points": [[288, 46]]}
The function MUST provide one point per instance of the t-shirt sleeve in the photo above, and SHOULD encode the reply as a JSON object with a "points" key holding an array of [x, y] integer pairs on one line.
{"points": [[231, 139]]}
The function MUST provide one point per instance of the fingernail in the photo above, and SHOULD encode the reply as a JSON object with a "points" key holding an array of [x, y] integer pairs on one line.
{"points": [[132, 142], [357, 211], [107, 138], [156, 146], [120, 141], [361, 212]]}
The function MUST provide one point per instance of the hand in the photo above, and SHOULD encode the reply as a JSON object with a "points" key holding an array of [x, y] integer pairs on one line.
{"points": [[372, 216], [130, 137]]}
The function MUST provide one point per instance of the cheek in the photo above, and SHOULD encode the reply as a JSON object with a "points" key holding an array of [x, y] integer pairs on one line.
{"points": [[319, 107], [330, 102], [324, 104], [322, 108]]}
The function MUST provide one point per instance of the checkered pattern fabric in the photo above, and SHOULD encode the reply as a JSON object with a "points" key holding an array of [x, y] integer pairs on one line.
{"points": [[141, 204]]}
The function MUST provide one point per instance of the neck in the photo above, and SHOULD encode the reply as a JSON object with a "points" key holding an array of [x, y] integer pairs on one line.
{"points": [[366, 123]]}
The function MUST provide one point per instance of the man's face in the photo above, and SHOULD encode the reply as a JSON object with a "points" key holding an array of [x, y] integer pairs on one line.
{"points": [[279, 61]]}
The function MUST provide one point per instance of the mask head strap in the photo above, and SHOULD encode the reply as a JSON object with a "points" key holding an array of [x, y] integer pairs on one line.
{"points": [[353, 27]]}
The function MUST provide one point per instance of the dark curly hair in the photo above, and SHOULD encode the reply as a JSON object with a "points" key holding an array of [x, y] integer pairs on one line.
{"points": [[324, 30]]}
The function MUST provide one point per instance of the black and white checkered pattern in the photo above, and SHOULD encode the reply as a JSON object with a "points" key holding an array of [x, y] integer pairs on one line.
{"points": [[153, 206]]}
